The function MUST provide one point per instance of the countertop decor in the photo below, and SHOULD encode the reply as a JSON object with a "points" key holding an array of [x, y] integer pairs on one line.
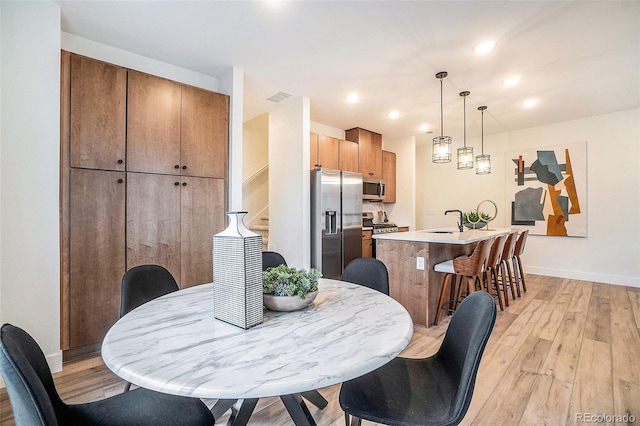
{"points": [[289, 289]]}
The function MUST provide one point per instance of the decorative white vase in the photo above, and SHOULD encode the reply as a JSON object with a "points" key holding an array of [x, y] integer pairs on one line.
{"points": [[237, 274], [288, 303]]}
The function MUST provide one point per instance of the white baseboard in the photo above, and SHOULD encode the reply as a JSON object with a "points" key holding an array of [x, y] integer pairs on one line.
{"points": [[584, 276]]}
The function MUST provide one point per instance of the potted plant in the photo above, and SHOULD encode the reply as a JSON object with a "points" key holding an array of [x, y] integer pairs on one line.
{"points": [[289, 289], [473, 220]]}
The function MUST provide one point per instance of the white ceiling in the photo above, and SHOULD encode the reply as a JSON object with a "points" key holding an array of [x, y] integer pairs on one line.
{"points": [[579, 58]]}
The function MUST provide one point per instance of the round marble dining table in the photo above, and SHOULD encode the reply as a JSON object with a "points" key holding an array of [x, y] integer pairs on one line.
{"points": [[174, 344]]}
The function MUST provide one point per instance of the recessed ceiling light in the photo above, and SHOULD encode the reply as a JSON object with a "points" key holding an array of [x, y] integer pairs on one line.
{"points": [[485, 47], [529, 103], [352, 97], [394, 114], [511, 81], [424, 127]]}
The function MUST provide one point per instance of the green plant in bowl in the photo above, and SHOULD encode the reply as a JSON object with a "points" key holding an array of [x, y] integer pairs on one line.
{"points": [[472, 220], [286, 281]]}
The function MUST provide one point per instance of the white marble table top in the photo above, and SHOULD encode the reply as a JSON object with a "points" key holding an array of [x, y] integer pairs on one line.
{"points": [[173, 344], [452, 235]]}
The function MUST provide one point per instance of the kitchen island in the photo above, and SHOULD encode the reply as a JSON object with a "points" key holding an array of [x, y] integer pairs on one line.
{"points": [[410, 257]]}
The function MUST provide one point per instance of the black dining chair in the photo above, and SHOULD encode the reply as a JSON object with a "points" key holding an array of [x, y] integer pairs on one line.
{"points": [[428, 391], [141, 284], [35, 400], [369, 272], [271, 259]]}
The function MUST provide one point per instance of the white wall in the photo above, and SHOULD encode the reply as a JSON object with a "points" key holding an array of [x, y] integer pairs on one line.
{"points": [[289, 204], [611, 252], [29, 172], [255, 155], [232, 84]]}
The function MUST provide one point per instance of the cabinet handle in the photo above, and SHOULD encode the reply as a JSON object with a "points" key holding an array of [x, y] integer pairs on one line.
{"points": [[120, 180], [184, 183], [177, 184], [120, 161], [177, 166], [184, 167]]}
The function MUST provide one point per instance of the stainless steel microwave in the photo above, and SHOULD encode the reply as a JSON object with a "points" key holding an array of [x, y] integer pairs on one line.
{"points": [[373, 189]]}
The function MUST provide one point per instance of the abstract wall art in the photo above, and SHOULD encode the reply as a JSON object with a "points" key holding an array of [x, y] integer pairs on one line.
{"points": [[547, 190]]}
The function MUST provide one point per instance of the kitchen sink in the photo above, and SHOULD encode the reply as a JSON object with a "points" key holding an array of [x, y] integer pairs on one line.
{"points": [[436, 231]]}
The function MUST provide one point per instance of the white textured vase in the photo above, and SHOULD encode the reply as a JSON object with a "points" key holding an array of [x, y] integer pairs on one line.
{"points": [[237, 274]]}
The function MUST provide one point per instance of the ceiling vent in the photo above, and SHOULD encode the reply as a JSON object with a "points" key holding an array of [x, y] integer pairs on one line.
{"points": [[279, 97]]}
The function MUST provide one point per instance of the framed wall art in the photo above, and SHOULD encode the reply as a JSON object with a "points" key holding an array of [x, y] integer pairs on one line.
{"points": [[547, 190]]}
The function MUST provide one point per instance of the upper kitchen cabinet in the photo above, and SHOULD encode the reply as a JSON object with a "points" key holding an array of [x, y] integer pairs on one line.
{"points": [[97, 105], [370, 151], [389, 175], [323, 151], [347, 156], [153, 124], [204, 133]]}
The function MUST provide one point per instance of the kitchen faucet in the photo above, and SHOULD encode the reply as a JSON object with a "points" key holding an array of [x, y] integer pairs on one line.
{"points": [[460, 227]]}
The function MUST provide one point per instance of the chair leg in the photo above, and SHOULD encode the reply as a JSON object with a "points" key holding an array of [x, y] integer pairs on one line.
{"points": [[127, 387], [490, 285], [524, 285], [505, 284], [502, 295], [443, 291], [512, 281]]}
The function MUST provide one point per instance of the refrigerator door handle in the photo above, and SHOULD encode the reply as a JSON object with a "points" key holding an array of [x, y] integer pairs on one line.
{"points": [[330, 224]]}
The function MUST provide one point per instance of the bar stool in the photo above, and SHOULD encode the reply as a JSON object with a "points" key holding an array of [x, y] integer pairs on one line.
{"points": [[491, 271], [517, 262], [470, 267], [506, 273]]}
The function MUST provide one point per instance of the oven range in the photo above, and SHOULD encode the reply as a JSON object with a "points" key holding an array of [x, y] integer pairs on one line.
{"points": [[384, 228]]}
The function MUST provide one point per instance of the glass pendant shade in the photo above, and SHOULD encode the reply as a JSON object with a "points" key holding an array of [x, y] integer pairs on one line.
{"points": [[483, 164], [465, 158], [441, 144], [441, 149]]}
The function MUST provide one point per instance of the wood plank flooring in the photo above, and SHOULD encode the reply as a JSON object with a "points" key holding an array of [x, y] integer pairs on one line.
{"points": [[565, 352]]}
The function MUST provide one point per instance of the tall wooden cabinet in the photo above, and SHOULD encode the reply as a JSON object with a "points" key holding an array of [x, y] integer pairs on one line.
{"points": [[323, 151], [370, 151], [389, 175], [143, 180]]}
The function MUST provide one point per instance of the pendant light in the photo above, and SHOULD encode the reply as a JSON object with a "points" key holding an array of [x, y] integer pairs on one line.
{"points": [[441, 144], [465, 154], [483, 162]]}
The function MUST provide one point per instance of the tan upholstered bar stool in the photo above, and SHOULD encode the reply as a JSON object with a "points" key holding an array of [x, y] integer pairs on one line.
{"points": [[517, 262], [491, 281], [469, 268], [506, 273]]}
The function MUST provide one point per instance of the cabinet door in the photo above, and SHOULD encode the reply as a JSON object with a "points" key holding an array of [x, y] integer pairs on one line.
{"points": [[369, 151], [98, 113], [153, 221], [96, 258], [204, 133], [367, 244], [313, 150], [389, 175], [202, 216], [153, 124], [348, 156], [328, 152]]}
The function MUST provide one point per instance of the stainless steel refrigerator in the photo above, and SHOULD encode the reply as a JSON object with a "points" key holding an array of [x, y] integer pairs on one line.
{"points": [[336, 220]]}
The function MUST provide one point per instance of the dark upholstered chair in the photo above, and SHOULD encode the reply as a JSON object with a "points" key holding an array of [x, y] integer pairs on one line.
{"points": [[429, 391], [369, 272], [35, 401], [141, 284], [271, 259]]}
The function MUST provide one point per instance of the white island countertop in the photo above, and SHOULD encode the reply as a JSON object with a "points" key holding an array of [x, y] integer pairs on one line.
{"points": [[450, 236]]}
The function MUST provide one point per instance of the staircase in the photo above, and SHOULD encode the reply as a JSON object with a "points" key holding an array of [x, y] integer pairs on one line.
{"points": [[262, 229]]}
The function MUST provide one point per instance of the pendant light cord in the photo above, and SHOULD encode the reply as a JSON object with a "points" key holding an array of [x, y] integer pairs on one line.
{"points": [[464, 100], [482, 132], [441, 118]]}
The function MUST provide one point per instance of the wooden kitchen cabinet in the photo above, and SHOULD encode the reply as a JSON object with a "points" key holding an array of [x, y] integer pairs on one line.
{"points": [[389, 175], [367, 243], [153, 124], [348, 156], [155, 212], [323, 151], [369, 151], [96, 254], [204, 133], [98, 105]]}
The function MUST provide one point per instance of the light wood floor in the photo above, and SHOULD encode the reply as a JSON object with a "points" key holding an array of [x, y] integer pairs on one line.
{"points": [[565, 349]]}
